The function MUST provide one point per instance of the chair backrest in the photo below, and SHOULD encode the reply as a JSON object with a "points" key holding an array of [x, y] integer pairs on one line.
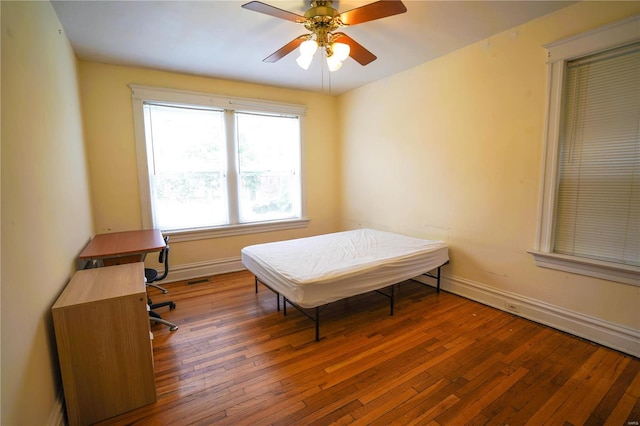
{"points": [[164, 258]]}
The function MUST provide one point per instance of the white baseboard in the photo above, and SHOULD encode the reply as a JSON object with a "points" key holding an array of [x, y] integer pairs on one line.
{"points": [[608, 334], [56, 417], [204, 269]]}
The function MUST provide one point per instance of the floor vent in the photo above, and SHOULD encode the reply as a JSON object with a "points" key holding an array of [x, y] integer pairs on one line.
{"points": [[204, 280]]}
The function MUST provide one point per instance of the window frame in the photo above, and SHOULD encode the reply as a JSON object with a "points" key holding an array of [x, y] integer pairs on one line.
{"points": [[172, 97], [608, 37]]}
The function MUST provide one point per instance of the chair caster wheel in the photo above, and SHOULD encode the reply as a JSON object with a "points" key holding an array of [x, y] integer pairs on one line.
{"points": [[165, 291], [174, 328], [172, 306]]}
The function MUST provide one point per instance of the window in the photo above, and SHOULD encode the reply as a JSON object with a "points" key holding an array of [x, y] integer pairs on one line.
{"points": [[590, 211], [217, 166]]}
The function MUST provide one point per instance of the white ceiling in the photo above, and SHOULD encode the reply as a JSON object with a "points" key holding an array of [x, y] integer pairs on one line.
{"points": [[221, 39]]}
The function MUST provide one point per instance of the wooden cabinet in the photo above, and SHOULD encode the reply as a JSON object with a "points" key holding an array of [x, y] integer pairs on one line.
{"points": [[104, 346]]}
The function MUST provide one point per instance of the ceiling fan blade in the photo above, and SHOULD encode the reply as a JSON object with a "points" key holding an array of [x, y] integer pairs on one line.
{"points": [[357, 52], [258, 6], [373, 11], [286, 49]]}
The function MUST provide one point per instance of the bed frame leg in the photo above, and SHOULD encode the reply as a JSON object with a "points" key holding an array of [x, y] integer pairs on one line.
{"points": [[393, 299], [277, 294], [315, 318], [438, 280]]}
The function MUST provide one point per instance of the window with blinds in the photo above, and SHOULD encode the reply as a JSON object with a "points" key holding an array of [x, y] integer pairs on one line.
{"points": [[597, 210]]}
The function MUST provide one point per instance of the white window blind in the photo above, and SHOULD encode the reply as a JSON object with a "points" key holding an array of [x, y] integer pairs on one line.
{"points": [[598, 193]]}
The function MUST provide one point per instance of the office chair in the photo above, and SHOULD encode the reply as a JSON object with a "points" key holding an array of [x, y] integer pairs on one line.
{"points": [[155, 317], [151, 275]]}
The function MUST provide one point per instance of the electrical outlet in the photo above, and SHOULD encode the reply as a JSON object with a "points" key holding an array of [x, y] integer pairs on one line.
{"points": [[511, 306]]}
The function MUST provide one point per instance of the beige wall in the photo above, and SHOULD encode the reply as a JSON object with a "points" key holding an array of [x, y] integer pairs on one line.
{"points": [[108, 120], [452, 150], [46, 216]]}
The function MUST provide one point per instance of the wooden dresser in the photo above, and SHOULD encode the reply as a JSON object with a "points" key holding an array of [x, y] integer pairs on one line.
{"points": [[104, 343]]}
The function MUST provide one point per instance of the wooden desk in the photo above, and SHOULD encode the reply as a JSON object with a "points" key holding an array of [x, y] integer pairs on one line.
{"points": [[104, 348], [123, 247]]}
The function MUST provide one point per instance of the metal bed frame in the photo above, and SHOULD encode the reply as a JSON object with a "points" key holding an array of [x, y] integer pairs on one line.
{"points": [[315, 317]]}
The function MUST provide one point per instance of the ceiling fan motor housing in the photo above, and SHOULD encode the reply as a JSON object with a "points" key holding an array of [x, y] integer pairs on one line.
{"points": [[321, 8], [321, 20]]}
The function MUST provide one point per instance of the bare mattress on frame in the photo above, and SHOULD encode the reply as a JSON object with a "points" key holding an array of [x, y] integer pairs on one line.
{"points": [[314, 271]]}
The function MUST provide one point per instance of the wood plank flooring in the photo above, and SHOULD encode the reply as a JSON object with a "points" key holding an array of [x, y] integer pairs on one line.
{"points": [[440, 360]]}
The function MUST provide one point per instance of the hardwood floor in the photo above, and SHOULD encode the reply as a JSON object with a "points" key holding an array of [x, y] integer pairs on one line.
{"points": [[440, 360]]}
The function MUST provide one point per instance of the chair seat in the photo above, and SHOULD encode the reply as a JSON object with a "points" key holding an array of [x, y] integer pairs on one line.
{"points": [[150, 274]]}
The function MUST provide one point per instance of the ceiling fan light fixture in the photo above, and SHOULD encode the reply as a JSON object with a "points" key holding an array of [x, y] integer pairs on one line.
{"points": [[304, 61], [334, 63], [308, 48], [341, 51]]}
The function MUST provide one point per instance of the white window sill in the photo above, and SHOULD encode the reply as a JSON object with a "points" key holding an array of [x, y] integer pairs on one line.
{"points": [[232, 230], [626, 274]]}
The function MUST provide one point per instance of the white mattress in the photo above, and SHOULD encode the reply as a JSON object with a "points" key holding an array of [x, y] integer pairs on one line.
{"points": [[317, 270]]}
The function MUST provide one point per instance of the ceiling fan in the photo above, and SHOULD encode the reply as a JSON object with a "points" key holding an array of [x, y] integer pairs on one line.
{"points": [[322, 20]]}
